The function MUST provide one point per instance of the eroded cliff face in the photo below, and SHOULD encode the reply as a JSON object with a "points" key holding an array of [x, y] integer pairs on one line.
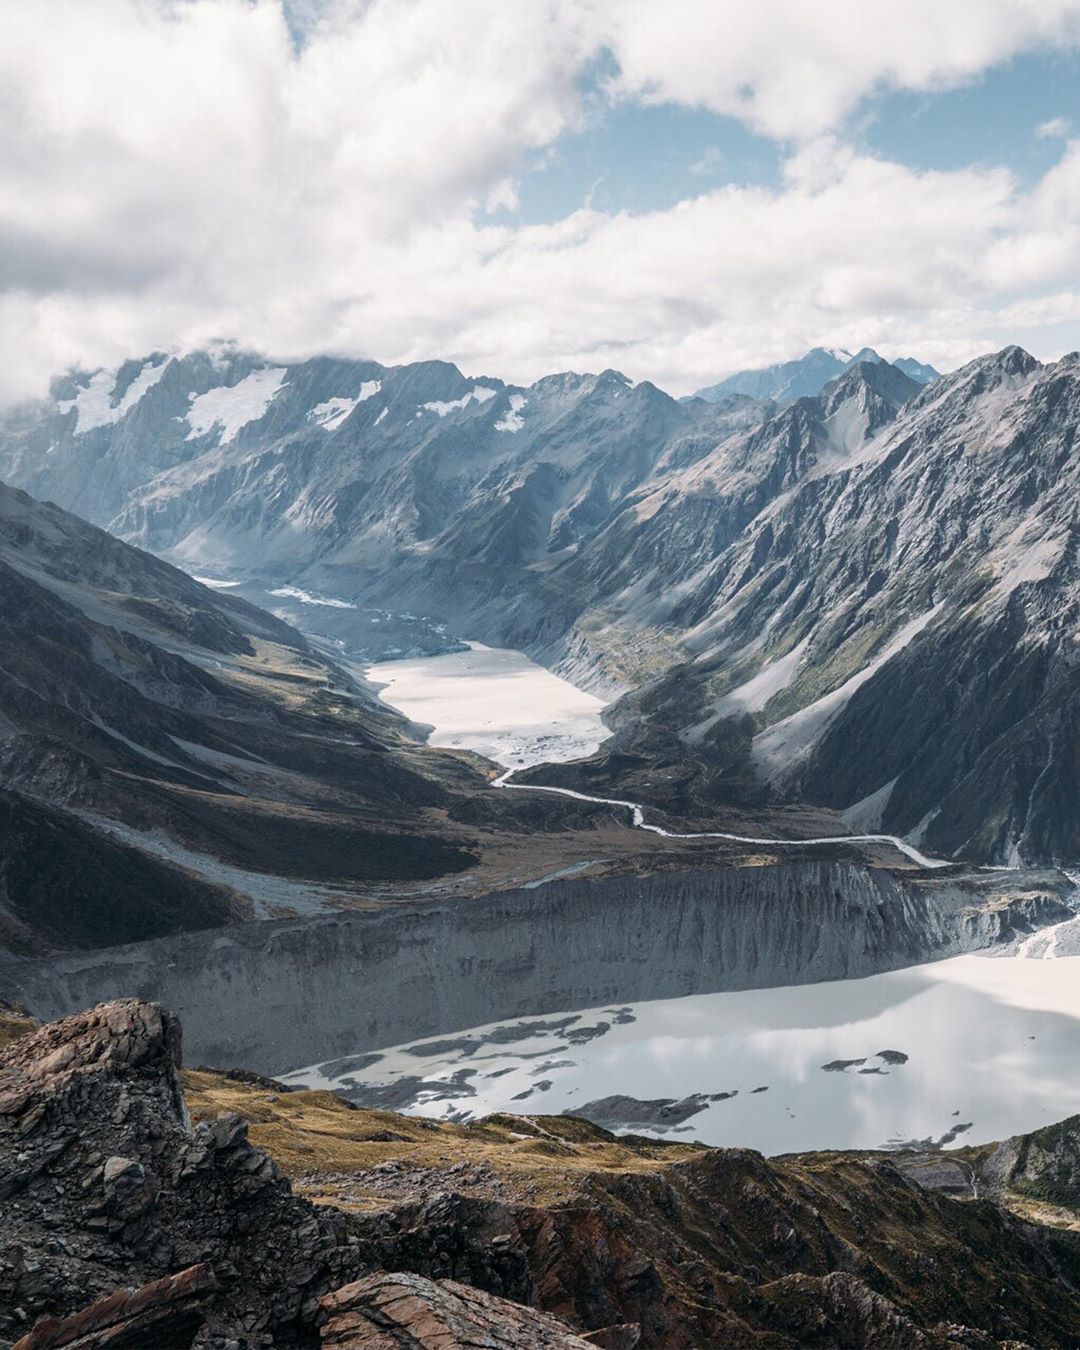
{"points": [[275, 996]]}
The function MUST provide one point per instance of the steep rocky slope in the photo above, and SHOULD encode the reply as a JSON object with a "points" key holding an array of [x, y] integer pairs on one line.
{"points": [[106, 1185], [901, 629], [173, 739]]}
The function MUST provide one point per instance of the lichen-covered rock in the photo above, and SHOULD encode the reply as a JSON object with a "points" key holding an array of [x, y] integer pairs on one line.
{"points": [[165, 1312]]}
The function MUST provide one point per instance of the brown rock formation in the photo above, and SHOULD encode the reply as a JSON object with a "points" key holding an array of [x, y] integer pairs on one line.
{"points": [[408, 1312], [166, 1312], [104, 1185]]}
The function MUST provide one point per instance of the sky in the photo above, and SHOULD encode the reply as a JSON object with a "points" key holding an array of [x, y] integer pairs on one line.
{"points": [[678, 190]]}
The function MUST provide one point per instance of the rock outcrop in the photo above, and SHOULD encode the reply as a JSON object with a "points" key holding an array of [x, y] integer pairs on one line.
{"points": [[166, 1312], [385, 1311], [103, 1185], [123, 1225]]}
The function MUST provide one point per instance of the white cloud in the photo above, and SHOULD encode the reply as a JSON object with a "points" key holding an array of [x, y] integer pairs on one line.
{"points": [[173, 172], [1056, 126], [795, 70]]}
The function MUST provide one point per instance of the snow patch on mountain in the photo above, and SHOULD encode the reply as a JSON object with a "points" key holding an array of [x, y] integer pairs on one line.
{"points": [[847, 427], [513, 421], [233, 407], [478, 394], [93, 403], [334, 411], [147, 377]]}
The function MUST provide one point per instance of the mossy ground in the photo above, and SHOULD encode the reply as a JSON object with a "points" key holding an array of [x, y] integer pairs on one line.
{"points": [[14, 1022], [326, 1145]]}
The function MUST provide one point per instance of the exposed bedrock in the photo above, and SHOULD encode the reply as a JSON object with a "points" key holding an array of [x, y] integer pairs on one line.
{"points": [[273, 996]]}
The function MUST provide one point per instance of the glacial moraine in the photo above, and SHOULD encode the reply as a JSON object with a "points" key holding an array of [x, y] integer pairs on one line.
{"points": [[277, 995]]}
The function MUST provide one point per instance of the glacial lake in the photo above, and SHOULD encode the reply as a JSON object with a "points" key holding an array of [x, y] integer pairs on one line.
{"points": [[989, 1044], [495, 702]]}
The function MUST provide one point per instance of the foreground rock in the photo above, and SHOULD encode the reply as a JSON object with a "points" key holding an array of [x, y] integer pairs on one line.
{"points": [[165, 1312], [124, 1225], [383, 1311], [104, 1185]]}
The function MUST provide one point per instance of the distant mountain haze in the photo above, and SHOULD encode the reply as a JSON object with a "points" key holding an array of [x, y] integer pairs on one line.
{"points": [[789, 380]]}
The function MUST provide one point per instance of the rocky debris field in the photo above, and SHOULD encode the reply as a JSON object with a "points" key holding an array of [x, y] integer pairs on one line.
{"points": [[281, 1218]]}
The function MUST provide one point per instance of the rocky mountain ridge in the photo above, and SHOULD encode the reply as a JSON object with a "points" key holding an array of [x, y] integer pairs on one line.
{"points": [[806, 376], [161, 741], [613, 1241], [916, 670]]}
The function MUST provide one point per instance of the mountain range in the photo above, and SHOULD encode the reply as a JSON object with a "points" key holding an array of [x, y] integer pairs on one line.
{"points": [[861, 600]]}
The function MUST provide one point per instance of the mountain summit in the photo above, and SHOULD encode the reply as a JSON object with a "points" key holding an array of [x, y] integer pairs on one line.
{"points": [[806, 377]]}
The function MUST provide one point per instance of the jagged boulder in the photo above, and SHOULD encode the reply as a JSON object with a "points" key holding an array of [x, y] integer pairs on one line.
{"points": [[164, 1313], [104, 1184]]}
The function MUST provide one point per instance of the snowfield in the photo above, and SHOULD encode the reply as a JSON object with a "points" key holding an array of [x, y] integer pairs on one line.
{"points": [[93, 403], [334, 411], [233, 407], [478, 394]]}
